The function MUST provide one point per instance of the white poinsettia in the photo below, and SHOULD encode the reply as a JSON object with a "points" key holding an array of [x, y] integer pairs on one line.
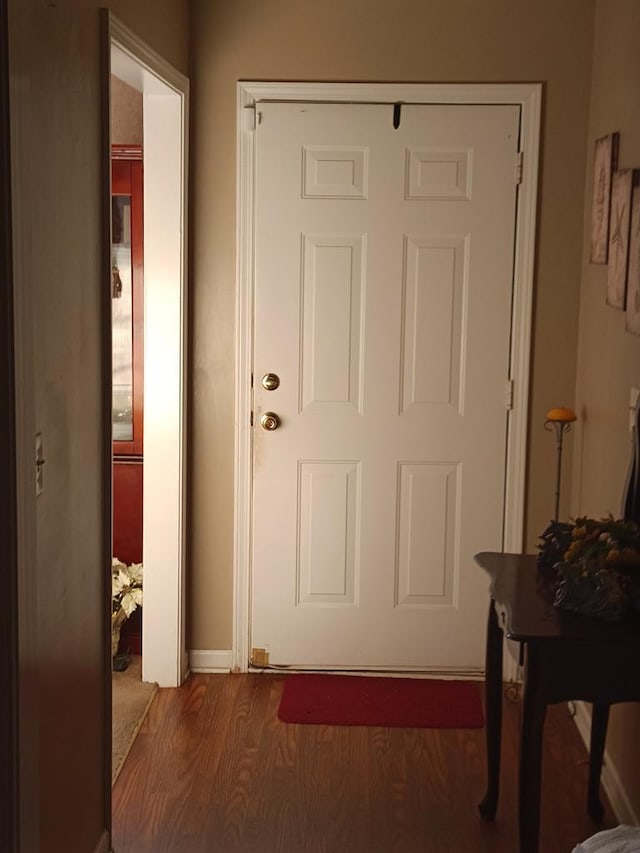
{"points": [[135, 573], [126, 587], [130, 600], [118, 582]]}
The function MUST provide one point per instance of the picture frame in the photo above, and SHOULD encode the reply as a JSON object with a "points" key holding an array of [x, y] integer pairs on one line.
{"points": [[605, 164], [621, 190], [633, 277]]}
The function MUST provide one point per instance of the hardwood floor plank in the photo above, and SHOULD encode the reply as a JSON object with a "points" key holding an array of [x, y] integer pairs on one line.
{"points": [[213, 770]]}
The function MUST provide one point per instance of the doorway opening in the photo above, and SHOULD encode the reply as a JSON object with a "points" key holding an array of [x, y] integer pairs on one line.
{"points": [[127, 367], [153, 377]]}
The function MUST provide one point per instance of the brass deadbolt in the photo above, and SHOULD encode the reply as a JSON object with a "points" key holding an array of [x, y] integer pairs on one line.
{"points": [[270, 381]]}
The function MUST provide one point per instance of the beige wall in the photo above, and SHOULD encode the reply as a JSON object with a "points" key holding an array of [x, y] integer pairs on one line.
{"points": [[363, 40], [57, 205], [126, 114], [608, 356], [163, 24]]}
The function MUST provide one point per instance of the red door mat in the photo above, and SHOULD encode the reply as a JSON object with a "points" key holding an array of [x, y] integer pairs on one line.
{"points": [[344, 700]]}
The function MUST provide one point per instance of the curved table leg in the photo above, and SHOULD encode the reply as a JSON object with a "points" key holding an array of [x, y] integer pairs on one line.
{"points": [[493, 702], [599, 722], [533, 714]]}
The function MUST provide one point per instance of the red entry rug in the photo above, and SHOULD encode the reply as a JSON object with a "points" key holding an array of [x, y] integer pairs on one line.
{"points": [[343, 700]]}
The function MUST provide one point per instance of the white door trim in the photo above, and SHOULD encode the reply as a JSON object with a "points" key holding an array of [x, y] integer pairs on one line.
{"points": [[165, 93], [529, 97]]}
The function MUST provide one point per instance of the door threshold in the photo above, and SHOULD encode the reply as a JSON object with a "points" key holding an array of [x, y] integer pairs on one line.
{"points": [[471, 674]]}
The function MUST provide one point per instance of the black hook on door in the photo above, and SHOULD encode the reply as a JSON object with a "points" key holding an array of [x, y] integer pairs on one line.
{"points": [[396, 115]]}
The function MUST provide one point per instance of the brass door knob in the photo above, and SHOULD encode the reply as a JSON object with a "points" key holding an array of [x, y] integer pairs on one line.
{"points": [[270, 421]]}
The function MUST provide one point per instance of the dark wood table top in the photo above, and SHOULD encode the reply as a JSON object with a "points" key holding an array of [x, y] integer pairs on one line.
{"points": [[523, 593]]}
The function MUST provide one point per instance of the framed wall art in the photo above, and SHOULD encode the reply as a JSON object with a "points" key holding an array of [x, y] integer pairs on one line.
{"points": [[621, 187], [633, 278], [605, 164]]}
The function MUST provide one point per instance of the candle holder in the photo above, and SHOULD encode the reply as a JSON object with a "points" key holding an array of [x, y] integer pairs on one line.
{"points": [[559, 421]]}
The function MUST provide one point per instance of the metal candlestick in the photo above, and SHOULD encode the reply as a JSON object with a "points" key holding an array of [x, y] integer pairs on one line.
{"points": [[559, 421]]}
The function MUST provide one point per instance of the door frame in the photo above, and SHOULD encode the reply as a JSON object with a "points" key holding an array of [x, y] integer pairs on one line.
{"points": [[165, 94], [528, 96], [9, 661]]}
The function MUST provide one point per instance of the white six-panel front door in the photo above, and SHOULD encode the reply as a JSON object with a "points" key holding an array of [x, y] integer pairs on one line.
{"points": [[383, 288]]}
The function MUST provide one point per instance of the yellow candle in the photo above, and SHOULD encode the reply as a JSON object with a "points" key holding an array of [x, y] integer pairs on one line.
{"points": [[562, 414]]}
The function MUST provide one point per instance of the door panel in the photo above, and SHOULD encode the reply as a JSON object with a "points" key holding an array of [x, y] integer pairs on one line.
{"points": [[332, 302], [328, 525], [383, 280], [432, 322], [427, 515]]}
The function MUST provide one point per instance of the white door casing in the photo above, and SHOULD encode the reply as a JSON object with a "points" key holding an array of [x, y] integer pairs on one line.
{"points": [[165, 93], [374, 426]]}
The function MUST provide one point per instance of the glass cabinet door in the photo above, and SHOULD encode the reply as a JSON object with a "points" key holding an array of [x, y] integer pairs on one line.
{"points": [[122, 318], [127, 306]]}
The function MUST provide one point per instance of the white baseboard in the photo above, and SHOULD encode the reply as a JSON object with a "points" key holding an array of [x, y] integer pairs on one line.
{"points": [[210, 660], [611, 781], [103, 845]]}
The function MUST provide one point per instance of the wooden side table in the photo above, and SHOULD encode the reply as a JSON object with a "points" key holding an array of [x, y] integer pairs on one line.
{"points": [[567, 657]]}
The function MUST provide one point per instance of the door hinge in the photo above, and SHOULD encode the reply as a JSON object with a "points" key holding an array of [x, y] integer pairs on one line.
{"points": [[519, 163], [509, 395], [251, 419]]}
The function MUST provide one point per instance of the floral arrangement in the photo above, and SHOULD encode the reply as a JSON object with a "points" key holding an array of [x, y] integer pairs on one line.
{"points": [[126, 596], [598, 565]]}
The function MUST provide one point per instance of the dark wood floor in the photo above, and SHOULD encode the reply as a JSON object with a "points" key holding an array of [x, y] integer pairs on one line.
{"points": [[213, 770]]}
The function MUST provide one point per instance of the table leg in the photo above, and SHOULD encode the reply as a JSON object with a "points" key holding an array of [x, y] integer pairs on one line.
{"points": [[533, 713], [493, 703], [599, 722]]}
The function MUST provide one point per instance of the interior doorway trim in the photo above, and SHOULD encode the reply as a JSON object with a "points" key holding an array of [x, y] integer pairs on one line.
{"points": [[165, 94], [9, 640], [528, 96]]}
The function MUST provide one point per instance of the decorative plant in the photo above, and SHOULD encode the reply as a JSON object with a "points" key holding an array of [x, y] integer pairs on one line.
{"points": [[553, 542], [126, 596], [126, 587], [598, 564]]}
